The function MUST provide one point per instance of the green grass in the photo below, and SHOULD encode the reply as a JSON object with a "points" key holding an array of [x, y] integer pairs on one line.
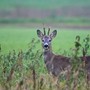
{"points": [[45, 4], [18, 38], [12, 37], [15, 38]]}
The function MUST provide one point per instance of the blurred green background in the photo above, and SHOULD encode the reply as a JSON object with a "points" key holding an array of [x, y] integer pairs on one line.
{"points": [[67, 11], [19, 20]]}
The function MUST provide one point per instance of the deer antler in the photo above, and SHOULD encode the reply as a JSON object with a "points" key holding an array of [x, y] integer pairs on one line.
{"points": [[48, 31], [44, 31]]}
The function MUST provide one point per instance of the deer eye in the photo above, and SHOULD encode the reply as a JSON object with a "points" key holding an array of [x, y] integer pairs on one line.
{"points": [[49, 40], [42, 40]]}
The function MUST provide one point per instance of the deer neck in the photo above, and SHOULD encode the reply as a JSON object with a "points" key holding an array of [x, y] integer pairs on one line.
{"points": [[48, 55]]}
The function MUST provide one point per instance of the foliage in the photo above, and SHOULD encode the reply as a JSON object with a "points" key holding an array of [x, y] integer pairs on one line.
{"points": [[17, 37], [15, 67], [26, 70]]}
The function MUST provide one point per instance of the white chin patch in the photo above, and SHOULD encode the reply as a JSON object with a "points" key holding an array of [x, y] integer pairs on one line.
{"points": [[46, 48]]}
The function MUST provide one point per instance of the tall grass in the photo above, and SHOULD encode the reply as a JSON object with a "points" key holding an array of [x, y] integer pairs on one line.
{"points": [[26, 70]]}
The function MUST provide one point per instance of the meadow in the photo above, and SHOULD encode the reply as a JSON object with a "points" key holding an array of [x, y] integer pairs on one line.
{"points": [[18, 38], [22, 65], [21, 60]]}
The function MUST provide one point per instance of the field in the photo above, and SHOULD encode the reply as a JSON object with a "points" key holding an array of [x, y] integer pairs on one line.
{"points": [[22, 65], [18, 38]]}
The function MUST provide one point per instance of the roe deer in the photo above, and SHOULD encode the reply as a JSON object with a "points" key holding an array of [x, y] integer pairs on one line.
{"points": [[87, 67], [55, 64], [86, 60]]}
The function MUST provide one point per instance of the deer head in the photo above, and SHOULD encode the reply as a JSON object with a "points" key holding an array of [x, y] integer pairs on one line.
{"points": [[46, 38]]}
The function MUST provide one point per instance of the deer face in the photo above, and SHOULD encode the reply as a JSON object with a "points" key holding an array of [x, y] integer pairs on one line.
{"points": [[46, 42], [46, 39]]}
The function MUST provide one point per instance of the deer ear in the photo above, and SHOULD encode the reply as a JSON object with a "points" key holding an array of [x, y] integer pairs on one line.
{"points": [[53, 34], [39, 33]]}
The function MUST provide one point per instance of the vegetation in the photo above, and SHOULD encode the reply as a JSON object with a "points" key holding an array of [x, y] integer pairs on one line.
{"points": [[49, 6], [21, 58], [17, 38], [26, 70]]}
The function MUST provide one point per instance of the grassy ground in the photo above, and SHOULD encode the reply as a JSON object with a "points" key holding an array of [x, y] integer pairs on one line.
{"points": [[18, 38], [26, 69]]}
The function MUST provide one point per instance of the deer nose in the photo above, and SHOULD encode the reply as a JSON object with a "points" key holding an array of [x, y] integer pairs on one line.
{"points": [[45, 45]]}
